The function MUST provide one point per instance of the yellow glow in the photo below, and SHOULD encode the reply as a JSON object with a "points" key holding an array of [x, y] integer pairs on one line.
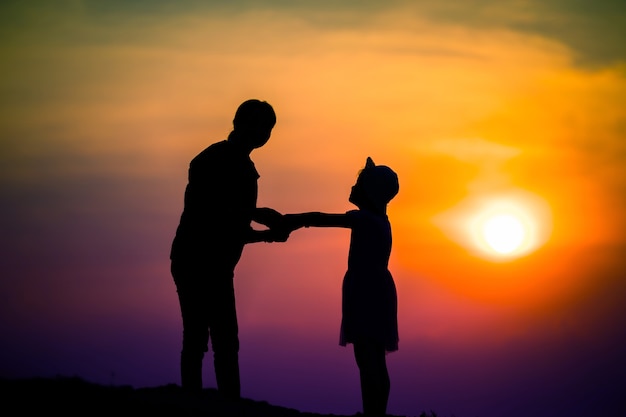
{"points": [[498, 227], [504, 233], [508, 227]]}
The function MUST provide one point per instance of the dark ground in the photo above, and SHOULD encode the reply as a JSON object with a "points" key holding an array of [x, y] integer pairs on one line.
{"points": [[64, 396]]}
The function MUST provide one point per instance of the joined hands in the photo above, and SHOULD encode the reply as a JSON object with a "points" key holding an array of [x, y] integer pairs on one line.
{"points": [[279, 226]]}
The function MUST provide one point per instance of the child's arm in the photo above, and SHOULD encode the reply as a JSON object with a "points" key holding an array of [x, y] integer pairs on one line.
{"points": [[316, 219]]}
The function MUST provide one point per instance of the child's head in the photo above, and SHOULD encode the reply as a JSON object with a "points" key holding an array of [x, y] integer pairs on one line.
{"points": [[375, 187]]}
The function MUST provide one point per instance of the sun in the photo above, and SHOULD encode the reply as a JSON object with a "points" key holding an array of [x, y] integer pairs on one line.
{"points": [[499, 227], [507, 229], [504, 233]]}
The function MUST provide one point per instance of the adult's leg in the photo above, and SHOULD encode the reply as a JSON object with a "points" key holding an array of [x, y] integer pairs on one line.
{"points": [[193, 306], [375, 383], [225, 338]]}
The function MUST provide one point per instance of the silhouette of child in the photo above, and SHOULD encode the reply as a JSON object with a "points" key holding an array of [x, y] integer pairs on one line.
{"points": [[369, 299]]}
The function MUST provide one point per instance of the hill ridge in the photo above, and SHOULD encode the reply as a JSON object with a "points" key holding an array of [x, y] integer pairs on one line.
{"points": [[74, 396]]}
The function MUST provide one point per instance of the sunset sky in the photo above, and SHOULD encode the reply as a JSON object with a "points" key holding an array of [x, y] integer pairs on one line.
{"points": [[482, 107]]}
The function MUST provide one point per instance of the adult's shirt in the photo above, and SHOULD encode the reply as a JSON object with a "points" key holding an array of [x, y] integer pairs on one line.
{"points": [[220, 198]]}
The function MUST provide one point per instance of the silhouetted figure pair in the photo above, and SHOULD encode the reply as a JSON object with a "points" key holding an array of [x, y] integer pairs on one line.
{"points": [[219, 206]]}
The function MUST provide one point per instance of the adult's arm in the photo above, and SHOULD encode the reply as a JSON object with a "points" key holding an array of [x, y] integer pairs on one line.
{"points": [[267, 217]]}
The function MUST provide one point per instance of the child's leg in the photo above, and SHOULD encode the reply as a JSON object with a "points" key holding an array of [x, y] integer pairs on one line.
{"points": [[375, 384]]}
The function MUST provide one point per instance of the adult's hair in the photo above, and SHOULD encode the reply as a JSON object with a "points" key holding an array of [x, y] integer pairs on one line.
{"points": [[254, 113]]}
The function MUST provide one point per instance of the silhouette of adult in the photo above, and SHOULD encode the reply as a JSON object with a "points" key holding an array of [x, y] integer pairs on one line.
{"points": [[219, 206]]}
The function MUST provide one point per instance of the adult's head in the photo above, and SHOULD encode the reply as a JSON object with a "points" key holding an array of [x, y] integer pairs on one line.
{"points": [[253, 123]]}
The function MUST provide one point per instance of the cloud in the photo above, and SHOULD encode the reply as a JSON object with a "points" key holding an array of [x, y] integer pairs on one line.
{"points": [[595, 33]]}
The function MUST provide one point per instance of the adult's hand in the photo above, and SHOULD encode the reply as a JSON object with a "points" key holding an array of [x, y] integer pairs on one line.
{"points": [[276, 235], [268, 217]]}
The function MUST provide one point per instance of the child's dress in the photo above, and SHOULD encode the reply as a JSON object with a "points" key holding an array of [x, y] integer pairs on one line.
{"points": [[369, 298]]}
